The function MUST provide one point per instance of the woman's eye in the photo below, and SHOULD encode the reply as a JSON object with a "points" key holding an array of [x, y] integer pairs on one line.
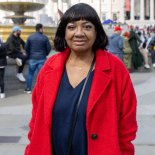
{"points": [[88, 27], [70, 27]]}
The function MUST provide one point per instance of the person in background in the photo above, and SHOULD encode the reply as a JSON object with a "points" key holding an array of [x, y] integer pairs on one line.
{"points": [[37, 48], [127, 52], [151, 48], [15, 50], [149, 37], [3, 63], [137, 58], [116, 43], [84, 102], [142, 49]]}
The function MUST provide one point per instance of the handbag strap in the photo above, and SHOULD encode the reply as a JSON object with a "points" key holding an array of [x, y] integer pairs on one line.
{"points": [[71, 134]]}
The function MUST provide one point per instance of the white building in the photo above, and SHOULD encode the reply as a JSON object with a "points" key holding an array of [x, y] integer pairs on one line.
{"points": [[135, 12]]}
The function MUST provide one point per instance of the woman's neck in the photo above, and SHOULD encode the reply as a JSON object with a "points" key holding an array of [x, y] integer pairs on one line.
{"points": [[80, 59]]}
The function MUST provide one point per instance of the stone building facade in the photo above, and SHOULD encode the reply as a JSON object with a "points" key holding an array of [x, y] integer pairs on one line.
{"points": [[133, 12]]}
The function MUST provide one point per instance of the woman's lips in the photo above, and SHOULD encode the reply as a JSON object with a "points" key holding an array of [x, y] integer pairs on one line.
{"points": [[79, 42]]}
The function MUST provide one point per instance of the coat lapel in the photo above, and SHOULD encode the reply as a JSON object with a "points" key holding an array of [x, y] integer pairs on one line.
{"points": [[52, 82], [101, 79], [53, 76]]}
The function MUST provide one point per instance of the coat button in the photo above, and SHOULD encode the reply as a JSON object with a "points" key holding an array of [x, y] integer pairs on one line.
{"points": [[94, 136]]}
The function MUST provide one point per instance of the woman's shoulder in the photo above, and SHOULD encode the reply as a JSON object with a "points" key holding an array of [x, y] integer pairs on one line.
{"points": [[54, 56], [52, 59], [59, 57], [48, 65], [111, 56], [115, 62], [118, 70]]}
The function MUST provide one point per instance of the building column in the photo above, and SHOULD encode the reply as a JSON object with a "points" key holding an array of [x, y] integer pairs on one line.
{"points": [[110, 11], [122, 12], [151, 10], [132, 13], [142, 10], [69, 3], [60, 5]]}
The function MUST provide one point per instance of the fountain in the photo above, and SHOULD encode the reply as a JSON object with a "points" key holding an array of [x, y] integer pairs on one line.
{"points": [[19, 18], [19, 8]]}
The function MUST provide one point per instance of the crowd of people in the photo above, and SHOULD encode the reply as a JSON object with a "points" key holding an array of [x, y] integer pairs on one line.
{"points": [[35, 50], [134, 46]]}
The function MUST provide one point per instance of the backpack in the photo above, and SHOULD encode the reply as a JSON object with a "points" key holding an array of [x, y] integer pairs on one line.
{"points": [[151, 45], [144, 43]]}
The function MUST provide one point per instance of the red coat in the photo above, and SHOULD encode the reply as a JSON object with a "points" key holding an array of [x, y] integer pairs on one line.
{"points": [[111, 109]]}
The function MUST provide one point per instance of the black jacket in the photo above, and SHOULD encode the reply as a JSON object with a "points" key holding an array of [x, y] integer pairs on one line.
{"points": [[14, 45], [3, 61]]}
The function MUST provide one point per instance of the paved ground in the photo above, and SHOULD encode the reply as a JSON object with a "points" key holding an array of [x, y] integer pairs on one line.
{"points": [[144, 84], [15, 112]]}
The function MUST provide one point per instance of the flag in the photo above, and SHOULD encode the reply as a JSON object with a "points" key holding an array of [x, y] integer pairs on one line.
{"points": [[127, 5], [60, 13]]}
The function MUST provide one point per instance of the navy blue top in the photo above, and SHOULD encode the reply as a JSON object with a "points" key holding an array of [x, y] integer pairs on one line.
{"points": [[63, 113]]}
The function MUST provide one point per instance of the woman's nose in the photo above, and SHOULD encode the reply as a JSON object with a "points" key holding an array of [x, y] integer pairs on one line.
{"points": [[79, 31]]}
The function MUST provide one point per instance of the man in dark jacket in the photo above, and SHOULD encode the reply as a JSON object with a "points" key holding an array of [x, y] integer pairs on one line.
{"points": [[15, 50], [37, 48]]}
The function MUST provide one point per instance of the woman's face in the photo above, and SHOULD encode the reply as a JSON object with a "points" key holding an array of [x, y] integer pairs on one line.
{"points": [[80, 35]]}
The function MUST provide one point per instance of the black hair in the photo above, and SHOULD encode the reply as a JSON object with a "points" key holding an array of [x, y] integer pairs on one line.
{"points": [[39, 26], [80, 11]]}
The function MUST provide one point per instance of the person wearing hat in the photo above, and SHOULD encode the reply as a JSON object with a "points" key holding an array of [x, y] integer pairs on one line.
{"points": [[116, 43], [15, 50]]}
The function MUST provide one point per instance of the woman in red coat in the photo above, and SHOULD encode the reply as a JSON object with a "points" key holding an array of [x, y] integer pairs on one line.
{"points": [[83, 101]]}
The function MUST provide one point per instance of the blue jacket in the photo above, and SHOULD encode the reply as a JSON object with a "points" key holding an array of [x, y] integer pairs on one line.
{"points": [[116, 44], [37, 46]]}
